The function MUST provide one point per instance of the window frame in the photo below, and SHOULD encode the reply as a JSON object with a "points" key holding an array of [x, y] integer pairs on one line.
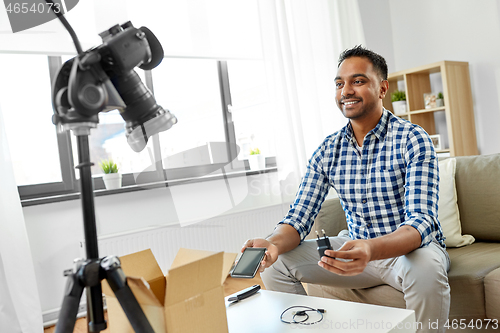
{"points": [[69, 182], [69, 187]]}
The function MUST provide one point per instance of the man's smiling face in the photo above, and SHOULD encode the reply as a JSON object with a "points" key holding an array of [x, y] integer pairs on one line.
{"points": [[359, 88]]}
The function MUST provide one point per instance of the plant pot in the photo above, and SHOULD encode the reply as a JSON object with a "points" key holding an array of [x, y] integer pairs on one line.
{"points": [[112, 180], [439, 102], [399, 107], [257, 162]]}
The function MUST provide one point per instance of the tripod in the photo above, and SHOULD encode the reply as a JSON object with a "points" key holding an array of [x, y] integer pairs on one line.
{"points": [[89, 273]]}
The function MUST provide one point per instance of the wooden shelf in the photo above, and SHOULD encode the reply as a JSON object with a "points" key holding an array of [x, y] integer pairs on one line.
{"points": [[441, 108], [454, 121]]}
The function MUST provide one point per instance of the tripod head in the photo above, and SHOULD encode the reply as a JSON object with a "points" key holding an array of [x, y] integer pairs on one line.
{"points": [[103, 79]]}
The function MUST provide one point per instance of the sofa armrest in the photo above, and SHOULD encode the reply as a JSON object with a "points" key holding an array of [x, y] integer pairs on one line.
{"points": [[331, 218]]}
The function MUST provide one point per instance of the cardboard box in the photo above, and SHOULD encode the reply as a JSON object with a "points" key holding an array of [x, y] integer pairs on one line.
{"points": [[189, 299]]}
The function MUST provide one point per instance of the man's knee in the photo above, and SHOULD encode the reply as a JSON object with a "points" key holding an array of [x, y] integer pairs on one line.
{"points": [[278, 271], [426, 269], [266, 276]]}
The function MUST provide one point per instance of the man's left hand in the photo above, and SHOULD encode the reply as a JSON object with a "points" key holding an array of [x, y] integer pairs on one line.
{"points": [[356, 255]]}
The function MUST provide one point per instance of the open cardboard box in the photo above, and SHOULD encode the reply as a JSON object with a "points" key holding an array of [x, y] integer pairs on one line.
{"points": [[189, 299]]}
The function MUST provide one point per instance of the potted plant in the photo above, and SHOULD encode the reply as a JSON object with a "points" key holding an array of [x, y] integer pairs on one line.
{"points": [[112, 179], [398, 99], [440, 100], [256, 160]]}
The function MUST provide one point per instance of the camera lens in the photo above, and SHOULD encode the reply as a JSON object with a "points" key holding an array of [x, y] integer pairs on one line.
{"points": [[141, 104], [141, 111]]}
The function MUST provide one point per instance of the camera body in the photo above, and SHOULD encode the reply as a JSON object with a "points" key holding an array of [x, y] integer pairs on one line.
{"points": [[103, 79], [124, 47]]}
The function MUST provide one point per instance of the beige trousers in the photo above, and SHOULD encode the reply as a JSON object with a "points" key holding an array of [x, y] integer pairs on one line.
{"points": [[421, 275]]}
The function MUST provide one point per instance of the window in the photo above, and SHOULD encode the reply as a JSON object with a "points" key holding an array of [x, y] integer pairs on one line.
{"points": [[250, 109], [190, 89], [108, 141], [216, 103], [25, 102]]}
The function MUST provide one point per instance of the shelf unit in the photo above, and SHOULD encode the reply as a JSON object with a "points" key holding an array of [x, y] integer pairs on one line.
{"points": [[454, 122]]}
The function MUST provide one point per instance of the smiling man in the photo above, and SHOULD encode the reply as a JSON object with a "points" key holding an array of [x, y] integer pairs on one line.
{"points": [[385, 172]]}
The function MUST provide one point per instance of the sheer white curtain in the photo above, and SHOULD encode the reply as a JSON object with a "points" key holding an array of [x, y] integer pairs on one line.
{"points": [[301, 43], [20, 309]]}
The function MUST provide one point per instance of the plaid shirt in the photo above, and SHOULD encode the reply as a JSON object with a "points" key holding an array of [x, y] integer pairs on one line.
{"points": [[393, 182]]}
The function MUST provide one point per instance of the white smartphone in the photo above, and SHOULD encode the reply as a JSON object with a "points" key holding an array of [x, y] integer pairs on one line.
{"points": [[249, 262]]}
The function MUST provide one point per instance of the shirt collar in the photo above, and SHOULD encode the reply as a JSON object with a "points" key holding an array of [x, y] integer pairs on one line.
{"points": [[379, 131]]}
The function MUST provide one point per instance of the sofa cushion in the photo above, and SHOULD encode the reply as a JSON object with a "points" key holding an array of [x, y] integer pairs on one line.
{"points": [[477, 179], [492, 294], [331, 218], [469, 266], [448, 213]]}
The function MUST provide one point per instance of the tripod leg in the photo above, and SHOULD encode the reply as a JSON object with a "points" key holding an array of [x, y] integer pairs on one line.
{"points": [[95, 311], [71, 302], [118, 283]]}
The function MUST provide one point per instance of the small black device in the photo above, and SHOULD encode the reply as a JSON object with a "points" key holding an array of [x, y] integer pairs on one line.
{"points": [[249, 262], [245, 293], [323, 244]]}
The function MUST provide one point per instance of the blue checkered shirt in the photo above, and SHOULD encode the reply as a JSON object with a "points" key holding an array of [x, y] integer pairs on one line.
{"points": [[394, 181]]}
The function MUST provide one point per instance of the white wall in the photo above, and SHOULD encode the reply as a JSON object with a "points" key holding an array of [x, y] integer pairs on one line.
{"points": [[377, 27], [54, 231], [411, 33], [428, 31]]}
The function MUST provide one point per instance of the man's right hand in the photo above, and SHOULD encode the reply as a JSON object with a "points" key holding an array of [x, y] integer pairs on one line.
{"points": [[271, 253]]}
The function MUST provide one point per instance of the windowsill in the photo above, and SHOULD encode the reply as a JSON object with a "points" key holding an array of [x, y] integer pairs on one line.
{"points": [[154, 185]]}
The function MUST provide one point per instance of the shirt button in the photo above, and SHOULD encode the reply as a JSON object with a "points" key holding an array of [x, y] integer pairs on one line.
{"points": [[369, 224], [364, 201]]}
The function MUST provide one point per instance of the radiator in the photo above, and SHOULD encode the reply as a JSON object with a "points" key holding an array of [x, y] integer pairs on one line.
{"points": [[222, 233]]}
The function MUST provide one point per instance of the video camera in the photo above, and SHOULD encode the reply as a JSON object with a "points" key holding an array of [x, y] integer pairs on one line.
{"points": [[103, 79]]}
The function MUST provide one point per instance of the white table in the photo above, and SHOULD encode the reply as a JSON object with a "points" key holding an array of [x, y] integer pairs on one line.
{"points": [[261, 313]]}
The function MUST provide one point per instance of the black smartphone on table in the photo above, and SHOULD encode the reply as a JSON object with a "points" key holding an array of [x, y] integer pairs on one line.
{"points": [[249, 262]]}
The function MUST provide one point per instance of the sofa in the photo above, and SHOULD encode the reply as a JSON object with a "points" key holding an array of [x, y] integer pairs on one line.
{"points": [[474, 275]]}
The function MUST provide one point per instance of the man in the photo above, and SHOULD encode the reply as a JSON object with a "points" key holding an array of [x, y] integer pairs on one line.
{"points": [[385, 172]]}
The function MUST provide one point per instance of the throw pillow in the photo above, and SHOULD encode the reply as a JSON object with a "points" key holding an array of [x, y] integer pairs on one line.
{"points": [[448, 213]]}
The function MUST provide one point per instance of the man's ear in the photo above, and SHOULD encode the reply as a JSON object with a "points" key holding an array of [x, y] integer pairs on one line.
{"points": [[384, 87]]}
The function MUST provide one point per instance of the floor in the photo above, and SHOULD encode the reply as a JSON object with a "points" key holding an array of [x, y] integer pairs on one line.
{"points": [[231, 286]]}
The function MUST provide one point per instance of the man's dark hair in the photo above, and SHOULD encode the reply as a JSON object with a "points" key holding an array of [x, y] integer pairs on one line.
{"points": [[377, 60]]}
